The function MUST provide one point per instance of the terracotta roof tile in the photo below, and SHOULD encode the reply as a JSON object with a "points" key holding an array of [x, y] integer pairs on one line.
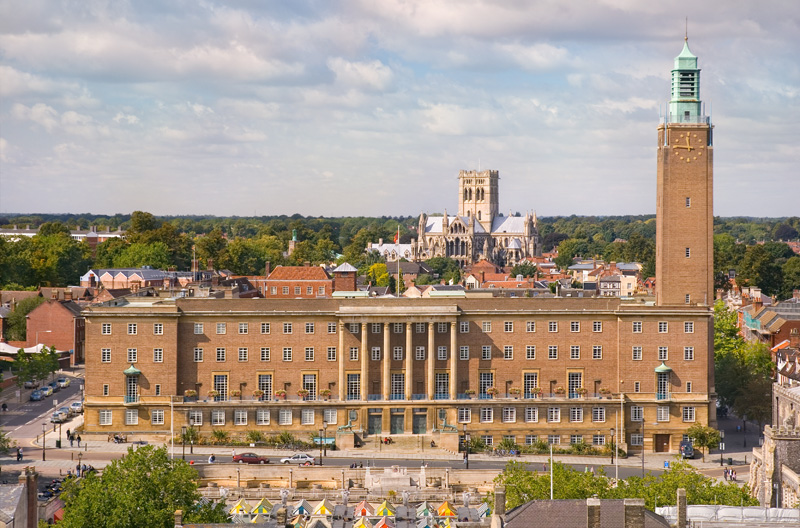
{"points": [[290, 273]]}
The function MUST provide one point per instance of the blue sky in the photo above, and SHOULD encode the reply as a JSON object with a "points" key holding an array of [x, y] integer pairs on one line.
{"points": [[349, 108]]}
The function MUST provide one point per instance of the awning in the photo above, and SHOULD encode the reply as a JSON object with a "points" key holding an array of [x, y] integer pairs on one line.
{"points": [[132, 371], [662, 368]]}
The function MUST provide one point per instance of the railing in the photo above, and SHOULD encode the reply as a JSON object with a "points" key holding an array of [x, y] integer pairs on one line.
{"points": [[532, 395], [691, 119], [662, 395], [419, 396], [374, 397], [485, 396], [441, 396], [353, 397], [397, 396], [131, 399]]}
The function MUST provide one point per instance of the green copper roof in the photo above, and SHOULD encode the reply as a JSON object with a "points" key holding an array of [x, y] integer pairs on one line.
{"points": [[685, 55], [662, 368], [132, 371], [685, 105]]}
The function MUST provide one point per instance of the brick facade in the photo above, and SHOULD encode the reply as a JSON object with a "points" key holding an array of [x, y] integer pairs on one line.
{"points": [[59, 324]]}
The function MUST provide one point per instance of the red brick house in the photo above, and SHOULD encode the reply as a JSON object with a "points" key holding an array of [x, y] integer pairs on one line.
{"points": [[59, 324], [298, 282]]}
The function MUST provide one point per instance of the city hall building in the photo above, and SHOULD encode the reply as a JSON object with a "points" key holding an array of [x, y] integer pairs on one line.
{"points": [[559, 370]]}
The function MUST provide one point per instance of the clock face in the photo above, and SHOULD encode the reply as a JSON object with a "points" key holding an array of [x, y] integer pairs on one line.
{"points": [[688, 147]]}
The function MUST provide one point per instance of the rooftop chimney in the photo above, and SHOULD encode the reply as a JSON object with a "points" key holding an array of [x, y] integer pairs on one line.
{"points": [[267, 267]]}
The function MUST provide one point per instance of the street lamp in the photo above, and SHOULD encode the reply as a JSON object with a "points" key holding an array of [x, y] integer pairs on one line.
{"points": [[721, 446], [612, 446], [325, 433], [320, 447], [183, 439], [80, 467], [44, 437], [466, 447]]}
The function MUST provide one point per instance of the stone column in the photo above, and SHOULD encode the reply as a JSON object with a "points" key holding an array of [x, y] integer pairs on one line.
{"points": [[681, 496], [453, 360], [593, 513], [431, 362], [409, 362], [364, 363], [634, 513], [342, 386], [387, 361]]}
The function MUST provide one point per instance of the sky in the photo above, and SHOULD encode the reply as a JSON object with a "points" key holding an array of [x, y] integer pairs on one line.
{"points": [[372, 107]]}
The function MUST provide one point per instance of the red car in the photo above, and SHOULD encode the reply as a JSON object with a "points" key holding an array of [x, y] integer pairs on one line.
{"points": [[250, 458]]}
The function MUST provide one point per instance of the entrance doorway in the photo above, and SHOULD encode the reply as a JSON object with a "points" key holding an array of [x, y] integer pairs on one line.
{"points": [[420, 424], [662, 443], [375, 424], [397, 423]]}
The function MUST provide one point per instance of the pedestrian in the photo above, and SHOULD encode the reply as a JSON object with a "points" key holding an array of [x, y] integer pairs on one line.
{"points": [[78, 470], [233, 453], [67, 433], [79, 440], [592, 470], [71, 439], [19, 454], [733, 475], [544, 468], [585, 469], [211, 459], [83, 470]]}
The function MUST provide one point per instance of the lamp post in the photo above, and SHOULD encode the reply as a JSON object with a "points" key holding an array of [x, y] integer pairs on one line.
{"points": [[642, 443], [325, 433], [191, 439], [320, 447], [721, 446], [183, 441], [466, 447], [44, 440], [80, 471], [612, 446]]}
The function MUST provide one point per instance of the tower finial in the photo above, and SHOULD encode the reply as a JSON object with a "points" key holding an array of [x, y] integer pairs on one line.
{"points": [[686, 34]]}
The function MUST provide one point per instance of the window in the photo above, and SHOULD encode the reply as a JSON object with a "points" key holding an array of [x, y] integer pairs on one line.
{"points": [[464, 415], [331, 328], [530, 326], [574, 326], [419, 328], [221, 328], [220, 354], [157, 417], [598, 440], [530, 381], [397, 353], [508, 326], [131, 416], [239, 417], [488, 440], [132, 355], [598, 414], [196, 418], [576, 414], [487, 415], [309, 328], [331, 353], [688, 202], [287, 353], [463, 353], [198, 355], [243, 327], [575, 439], [688, 327], [309, 290], [637, 353], [321, 290], [553, 439], [663, 327], [158, 389], [663, 353], [637, 386], [106, 329], [688, 252], [262, 417], [242, 354], [298, 290], [419, 353], [486, 352], [265, 353], [530, 439], [158, 355], [441, 328], [688, 353], [397, 328], [553, 414], [105, 390], [662, 413], [354, 328], [486, 326], [158, 329], [688, 414], [376, 328], [131, 328], [285, 290], [575, 352], [687, 299], [285, 417], [105, 417], [531, 414], [330, 416], [636, 413], [273, 290], [441, 353], [485, 380], [307, 417], [508, 352], [597, 326], [688, 386], [309, 353], [265, 384], [264, 328], [637, 327], [509, 414], [552, 326], [353, 353], [463, 327], [376, 353], [597, 352], [637, 439], [105, 355], [217, 417], [354, 386], [530, 352], [287, 328], [552, 352]]}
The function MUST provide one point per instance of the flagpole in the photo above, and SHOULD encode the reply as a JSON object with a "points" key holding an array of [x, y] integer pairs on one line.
{"points": [[397, 242]]}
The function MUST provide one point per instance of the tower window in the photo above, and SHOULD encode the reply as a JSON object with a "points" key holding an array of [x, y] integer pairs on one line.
{"points": [[687, 299], [688, 202], [688, 253]]}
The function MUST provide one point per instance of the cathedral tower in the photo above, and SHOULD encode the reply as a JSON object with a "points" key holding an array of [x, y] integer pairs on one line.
{"points": [[684, 203], [478, 195]]}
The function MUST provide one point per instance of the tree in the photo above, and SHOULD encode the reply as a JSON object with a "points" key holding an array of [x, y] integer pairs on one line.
{"points": [[703, 437], [136, 255], [526, 269], [210, 246], [378, 275], [758, 268], [144, 488], [447, 269], [17, 329], [791, 277], [53, 228]]}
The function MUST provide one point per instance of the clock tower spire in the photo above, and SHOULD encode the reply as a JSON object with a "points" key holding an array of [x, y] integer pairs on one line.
{"points": [[684, 202]]}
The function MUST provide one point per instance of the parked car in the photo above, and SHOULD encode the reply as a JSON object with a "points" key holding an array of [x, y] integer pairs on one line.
{"points": [[77, 407], [58, 417], [250, 458], [66, 410], [54, 386], [63, 382], [37, 395], [31, 384], [687, 449], [47, 390], [300, 458]]}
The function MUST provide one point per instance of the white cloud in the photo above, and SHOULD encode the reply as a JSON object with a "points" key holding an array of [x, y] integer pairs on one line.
{"points": [[125, 118], [373, 75]]}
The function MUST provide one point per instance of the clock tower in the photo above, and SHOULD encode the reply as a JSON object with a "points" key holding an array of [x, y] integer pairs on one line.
{"points": [[684, 202]]}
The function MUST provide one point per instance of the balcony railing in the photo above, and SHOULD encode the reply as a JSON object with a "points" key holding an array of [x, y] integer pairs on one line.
{"points": [[419, 396], [374, 397], [397, 396], [662, 395], [131, 399], [441, 396]]}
